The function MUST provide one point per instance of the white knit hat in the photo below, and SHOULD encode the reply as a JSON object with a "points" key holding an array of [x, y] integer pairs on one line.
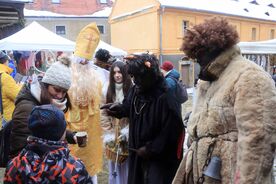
{"points": [[59, 73]]}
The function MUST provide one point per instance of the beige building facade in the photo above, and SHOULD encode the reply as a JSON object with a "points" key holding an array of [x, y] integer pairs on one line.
{"points": [[69, 27], [151, 25], [158, 26]]}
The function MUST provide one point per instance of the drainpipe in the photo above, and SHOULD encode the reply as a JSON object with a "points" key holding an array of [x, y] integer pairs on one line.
{"points": [[162, 8]]}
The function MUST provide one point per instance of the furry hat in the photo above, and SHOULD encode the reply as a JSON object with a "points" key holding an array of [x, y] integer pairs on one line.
{"points": [[87, 41], [167, 66], [59, 73], [47, 122]]}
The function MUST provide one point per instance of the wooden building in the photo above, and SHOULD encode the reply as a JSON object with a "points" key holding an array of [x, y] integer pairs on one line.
{"points": [[11, 17]]}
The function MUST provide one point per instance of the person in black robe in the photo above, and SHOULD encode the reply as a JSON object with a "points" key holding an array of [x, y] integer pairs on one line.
{"points": [[156, 130]]}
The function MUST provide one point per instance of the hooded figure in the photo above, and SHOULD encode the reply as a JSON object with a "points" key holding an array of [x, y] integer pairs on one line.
{"points": [[233, 119], [155, 129], [46, 158]]}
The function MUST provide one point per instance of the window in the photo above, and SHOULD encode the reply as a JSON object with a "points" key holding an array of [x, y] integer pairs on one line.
{"points": [[272, 34], [254, 34], [60, 30], [103, 1], [56, 1], [185, 26], [101, 29]]}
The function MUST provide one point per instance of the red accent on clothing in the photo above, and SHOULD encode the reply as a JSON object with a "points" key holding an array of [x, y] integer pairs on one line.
{"points": [[180, 145]]}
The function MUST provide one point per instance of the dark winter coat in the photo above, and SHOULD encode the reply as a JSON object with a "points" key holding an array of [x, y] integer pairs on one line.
{"points": [[43, 161], [171, 83], [171, 80], [274, 78], [23, 106], [158, 127]]}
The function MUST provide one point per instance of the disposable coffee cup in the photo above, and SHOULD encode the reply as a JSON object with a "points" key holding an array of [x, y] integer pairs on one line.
{"points": [[81, 138]]}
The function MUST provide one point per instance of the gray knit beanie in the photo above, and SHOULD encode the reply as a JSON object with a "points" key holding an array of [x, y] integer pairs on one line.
{"points": [[59, 73]]}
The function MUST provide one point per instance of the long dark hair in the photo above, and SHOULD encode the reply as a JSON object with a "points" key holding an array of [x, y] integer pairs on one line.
{"points": [[110, 96], [45, 97]]}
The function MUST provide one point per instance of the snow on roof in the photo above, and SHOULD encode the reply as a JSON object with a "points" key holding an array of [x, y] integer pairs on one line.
{"points": [[103, 13], [133, 12], [24, 1], [35, 13], [257, 9]]}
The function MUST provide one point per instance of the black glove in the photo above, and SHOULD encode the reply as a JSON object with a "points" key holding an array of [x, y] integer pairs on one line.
{"points": [[142, 152], [113, 109]]}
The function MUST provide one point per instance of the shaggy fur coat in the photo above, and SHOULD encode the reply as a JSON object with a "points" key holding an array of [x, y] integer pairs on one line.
{"points": [[238, 113]]}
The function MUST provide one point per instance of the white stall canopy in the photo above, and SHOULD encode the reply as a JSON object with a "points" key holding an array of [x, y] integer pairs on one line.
{"points": [[35, 37], [261, 47], [113, 50]]}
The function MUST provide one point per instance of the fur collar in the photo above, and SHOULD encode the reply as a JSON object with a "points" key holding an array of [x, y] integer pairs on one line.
{"points": [[222, 61]]}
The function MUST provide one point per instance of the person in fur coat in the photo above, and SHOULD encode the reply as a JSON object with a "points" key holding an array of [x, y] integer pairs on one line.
{"points": [[234, 114]]}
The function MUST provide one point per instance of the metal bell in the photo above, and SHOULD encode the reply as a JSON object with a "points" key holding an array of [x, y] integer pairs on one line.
{"points": [[213, 169]]}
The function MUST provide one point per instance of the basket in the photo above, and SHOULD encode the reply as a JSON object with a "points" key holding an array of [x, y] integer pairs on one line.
{"points": [[111, 154], [112, 147]]}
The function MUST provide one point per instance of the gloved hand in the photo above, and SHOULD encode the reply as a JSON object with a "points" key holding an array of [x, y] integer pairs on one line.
{"points": [[142, 152], [113, 109]]}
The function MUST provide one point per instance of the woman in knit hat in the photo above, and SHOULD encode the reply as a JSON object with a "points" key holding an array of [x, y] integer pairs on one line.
{"points": [[52, 89]]}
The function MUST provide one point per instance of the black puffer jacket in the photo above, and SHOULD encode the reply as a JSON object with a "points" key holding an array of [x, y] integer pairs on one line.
{"points": [[24, 104]]}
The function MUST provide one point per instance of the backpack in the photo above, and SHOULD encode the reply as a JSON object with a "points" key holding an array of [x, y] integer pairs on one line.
{"points": [[180, 91]]}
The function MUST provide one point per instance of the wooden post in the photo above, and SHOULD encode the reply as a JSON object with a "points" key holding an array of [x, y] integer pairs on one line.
{"points": [[116, 131]]}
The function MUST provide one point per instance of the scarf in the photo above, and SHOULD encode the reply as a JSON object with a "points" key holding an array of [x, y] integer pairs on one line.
{"points": [[119, 92]]}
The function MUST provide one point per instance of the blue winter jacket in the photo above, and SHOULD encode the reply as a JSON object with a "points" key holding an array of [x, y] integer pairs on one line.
{"points": [[171, 83], [12, 66]]}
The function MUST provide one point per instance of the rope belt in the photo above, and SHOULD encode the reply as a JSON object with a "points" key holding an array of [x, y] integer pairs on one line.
{"points": [[228, 136]]}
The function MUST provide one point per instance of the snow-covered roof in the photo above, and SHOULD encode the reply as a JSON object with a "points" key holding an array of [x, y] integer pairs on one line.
{"points": [[35, 13], [24, 1], [103, 13], [257, 9]]}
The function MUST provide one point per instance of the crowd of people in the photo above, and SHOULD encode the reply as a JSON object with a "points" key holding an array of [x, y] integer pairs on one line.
{"points": [[129, 109]]}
